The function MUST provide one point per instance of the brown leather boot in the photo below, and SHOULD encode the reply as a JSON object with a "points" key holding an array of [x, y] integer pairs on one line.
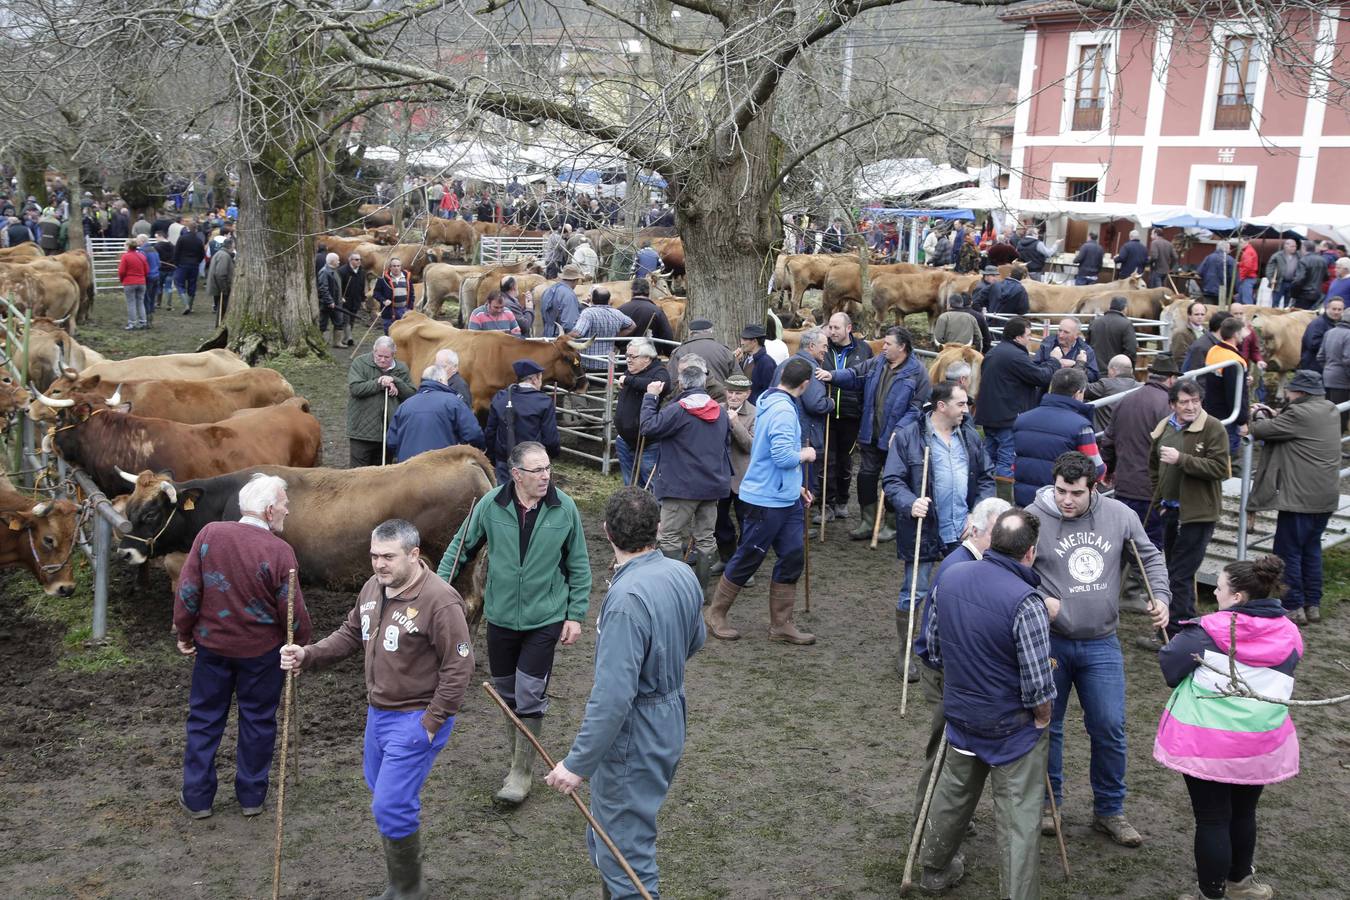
{"points": [[782, 598], [723, 597]]}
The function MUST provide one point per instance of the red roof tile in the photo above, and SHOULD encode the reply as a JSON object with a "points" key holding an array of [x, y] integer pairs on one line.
{"points": [[1055, 8]]}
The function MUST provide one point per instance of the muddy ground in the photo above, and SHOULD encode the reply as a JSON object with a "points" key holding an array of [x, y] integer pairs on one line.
{"points": [[797, 780]]}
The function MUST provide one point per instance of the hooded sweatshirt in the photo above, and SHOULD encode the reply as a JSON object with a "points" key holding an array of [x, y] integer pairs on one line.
{"points": [[1079, 561], [695, 437], [774, 477]]}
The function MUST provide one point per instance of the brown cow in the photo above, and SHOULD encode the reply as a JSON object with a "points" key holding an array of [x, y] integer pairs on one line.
{"points": [[1147, 303], [485, 357], [332, 511], [899, 294], [204, 364], [842, 289], [51, 349], [102, 438], [13, 399], [26, 250], [374, 215], [952, 353], [43, 289], [375, 257], [342, 246], [671, 251], [190, 402], [804, 271], [41, 538], [455, 232], [1281, 334]]}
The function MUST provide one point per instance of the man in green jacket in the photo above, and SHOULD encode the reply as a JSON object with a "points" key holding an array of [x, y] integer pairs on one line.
{"points": [[1187, 464], [1299, 476], [377, 383], [538, 588]]}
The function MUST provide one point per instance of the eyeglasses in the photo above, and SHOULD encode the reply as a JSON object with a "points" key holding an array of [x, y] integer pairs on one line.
{"points": [[534, 471]]}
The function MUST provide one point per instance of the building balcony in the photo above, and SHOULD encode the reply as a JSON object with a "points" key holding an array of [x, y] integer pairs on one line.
{"points": [[1087, 118], [1233, 113]]}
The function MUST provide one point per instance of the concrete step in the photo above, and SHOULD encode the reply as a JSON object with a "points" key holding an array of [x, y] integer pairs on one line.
{"points": [[1222, 547]]}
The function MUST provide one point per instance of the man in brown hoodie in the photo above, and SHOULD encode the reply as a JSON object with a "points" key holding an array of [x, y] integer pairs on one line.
{"points": [[411, 627]]}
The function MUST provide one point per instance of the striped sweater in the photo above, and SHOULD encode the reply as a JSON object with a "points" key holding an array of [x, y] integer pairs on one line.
{"points": [[1233, 740]]}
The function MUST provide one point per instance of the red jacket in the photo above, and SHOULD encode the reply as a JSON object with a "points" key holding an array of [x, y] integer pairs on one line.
{"points": [[1248, 265], [132, 268]]}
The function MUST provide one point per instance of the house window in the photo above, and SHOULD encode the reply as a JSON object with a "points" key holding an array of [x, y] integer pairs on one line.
{"points": [[1090, 93], [1237, 86], [1082, 190], [1224, 198]]}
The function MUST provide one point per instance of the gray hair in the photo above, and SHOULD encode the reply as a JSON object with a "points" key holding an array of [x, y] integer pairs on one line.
{"points": [[1223, 247], [1343, 263], [811, 336], [642, 347], [1134, 234], [332, 259], [693, 376], [1120, 363], [956, 371], [261, 492], [984, 514], [435, 373], [693, 361], [447, 358], [520, 450], [400, 530], [384, 342]]}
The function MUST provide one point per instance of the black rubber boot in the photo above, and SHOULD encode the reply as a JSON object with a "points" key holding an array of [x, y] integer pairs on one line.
{"points": [[403, 862]]}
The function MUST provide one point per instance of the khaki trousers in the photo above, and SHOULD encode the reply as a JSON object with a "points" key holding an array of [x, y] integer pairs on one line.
{"points": [[694, 517]]}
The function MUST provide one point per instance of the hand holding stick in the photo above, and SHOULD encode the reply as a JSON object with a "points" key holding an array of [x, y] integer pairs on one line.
{"points": [[913, 587], [285, 738]]}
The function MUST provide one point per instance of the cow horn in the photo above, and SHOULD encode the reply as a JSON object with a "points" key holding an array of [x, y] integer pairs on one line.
{"points": [[70, 372], [116, 399], [60, 358], [125, 476], [61, 321], [169, 491], [42, 508], [580, 345], [54, 404]]}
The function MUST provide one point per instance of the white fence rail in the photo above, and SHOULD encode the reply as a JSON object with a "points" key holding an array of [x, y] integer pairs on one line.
{"points": [[105, 253], [495, 249]]}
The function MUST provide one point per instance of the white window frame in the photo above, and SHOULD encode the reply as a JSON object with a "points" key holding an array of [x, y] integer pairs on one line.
{"points": [[1219, 35], [1105, 39], [1202, 174], [1056, 227]]}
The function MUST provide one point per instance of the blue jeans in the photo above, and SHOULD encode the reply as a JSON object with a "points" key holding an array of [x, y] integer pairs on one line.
{"points": [[135, 304], [185, 281], [1247, 290], [925, 579], [1298, 541], [397, 759], [651, 452], [998, 445], [762, 528], [255, 682], [1096, 670]]}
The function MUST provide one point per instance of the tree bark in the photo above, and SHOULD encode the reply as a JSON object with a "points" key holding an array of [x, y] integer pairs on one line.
{"points": [[728, 230], [32, 178]]}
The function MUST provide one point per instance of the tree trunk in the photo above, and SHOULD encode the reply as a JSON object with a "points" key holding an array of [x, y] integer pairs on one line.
{"points": [[727, 222], [273, 307], [32, 178]]}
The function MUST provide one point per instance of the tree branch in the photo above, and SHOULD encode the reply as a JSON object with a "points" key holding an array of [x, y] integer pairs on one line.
{"points": [[643, 30], [801, 157]]}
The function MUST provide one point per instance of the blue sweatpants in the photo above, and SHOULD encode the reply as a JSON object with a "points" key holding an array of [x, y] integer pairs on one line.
{"points": [[766, 527], [216, 680], [398, 758]]}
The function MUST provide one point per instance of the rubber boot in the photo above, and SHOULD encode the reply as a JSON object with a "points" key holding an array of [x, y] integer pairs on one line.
{"points": [[782, 598], [520, 779], [403, 862], [702, 563], [867, 518], [887, 532], [347, 335], [717, 612]]}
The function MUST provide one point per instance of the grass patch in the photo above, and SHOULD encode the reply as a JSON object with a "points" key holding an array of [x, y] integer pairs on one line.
{"points": [[72, 617], [1336, 576]]}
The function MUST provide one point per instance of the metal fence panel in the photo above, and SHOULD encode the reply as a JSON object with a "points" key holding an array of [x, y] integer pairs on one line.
{"points": [[105, 253], [496, 249]]}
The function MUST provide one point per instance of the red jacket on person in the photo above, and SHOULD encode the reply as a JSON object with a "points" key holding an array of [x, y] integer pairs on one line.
{"points": [[132, 268], [1248, 265]]}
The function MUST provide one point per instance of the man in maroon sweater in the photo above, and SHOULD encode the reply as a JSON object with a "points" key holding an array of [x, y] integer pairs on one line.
{"points": [[410, 626], [230, 613]]}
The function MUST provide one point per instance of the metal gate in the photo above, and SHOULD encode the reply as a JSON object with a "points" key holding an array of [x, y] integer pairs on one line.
{"points": [[495, 249], [105, 253]]}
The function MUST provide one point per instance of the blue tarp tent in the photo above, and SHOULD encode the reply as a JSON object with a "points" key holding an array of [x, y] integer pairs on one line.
{"points": [[893, 213], [1195, 220]]}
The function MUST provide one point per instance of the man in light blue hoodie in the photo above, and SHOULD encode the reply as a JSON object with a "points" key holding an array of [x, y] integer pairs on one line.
{"points": [[775, 499]]}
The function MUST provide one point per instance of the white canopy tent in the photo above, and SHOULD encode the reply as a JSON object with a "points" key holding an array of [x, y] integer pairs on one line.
{"points": [[993, 199], [899, 178], [1332, 220]]}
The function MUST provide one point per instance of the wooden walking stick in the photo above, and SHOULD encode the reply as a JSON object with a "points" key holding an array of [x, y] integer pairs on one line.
{"points": [[548, 760], [907, 880], [1059, 828], [637, 464], [881, 499], [806, 528], [824, 484], [1152, 600], [285, 738], [913, 586], [384, 431]]}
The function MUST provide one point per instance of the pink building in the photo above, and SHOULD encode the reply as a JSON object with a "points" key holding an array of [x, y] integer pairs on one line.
{"points": [[1180, 114]]}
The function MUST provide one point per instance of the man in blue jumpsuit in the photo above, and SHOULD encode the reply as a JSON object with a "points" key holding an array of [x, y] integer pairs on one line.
{"points": [[649, 626]]}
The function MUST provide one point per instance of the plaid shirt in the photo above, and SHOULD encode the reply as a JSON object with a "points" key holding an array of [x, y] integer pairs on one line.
{"points": [[600, 322], [1031, 634]]}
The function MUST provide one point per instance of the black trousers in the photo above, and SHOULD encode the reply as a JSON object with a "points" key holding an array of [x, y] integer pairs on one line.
{"points": [[521, 662], [870, 463], [363, 453], [725, 530], [1225, 831], [1340, 395], [1184, 547], [843, 438]]}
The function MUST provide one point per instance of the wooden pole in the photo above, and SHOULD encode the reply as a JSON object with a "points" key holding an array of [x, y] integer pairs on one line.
{"points": [[881, 499], [595, 826], [1152, 600], [384, 431], [285, 740], [824, 483], [907, 880], [1059, 828], [913, 588]]}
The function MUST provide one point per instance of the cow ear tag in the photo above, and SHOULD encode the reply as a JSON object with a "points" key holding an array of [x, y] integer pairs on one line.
{"points": [[189, 503], [15, 525]]}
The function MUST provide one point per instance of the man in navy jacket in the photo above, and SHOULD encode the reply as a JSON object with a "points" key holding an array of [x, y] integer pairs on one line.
{"points": [[433, 418]]}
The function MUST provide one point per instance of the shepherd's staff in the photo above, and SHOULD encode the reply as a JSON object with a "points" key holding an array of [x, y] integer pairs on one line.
{"points": [[881, 498], [464, 531], [548, 760], [384, 431], [806, 528], [637, 466], [824, 484], [941, 757], [1059, 828], [373, 320], [285, 737], [913, 585], [1152, 600]]}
